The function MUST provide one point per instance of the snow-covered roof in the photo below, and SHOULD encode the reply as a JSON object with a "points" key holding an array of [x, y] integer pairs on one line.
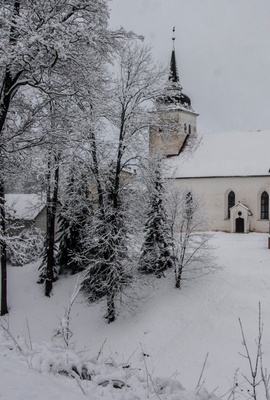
{"points": [[223, 154], [24, 206]]}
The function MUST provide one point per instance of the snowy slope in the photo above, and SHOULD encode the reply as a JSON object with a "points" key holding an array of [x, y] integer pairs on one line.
{"points": [[19, 382], [175, 329]]}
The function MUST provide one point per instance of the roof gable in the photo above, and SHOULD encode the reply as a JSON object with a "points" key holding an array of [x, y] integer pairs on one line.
{"points": [[24, 206]]}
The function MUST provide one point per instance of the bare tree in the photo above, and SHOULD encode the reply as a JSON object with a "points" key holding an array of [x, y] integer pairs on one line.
{"points": [[256, 381], [191, 250]]}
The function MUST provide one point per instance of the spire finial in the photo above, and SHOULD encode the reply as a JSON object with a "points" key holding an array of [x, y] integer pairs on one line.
{"points": [[173, 36]]}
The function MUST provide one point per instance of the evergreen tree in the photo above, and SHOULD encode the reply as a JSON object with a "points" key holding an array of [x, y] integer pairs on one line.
{"points": [[107, 248], [156, 255], [73, 219]]}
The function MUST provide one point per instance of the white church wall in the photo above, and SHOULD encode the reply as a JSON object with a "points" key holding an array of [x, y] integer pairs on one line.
{"points": [[214, 192]]}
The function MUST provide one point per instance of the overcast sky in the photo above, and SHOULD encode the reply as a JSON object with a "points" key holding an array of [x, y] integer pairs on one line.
{"points": [[223, 54]]}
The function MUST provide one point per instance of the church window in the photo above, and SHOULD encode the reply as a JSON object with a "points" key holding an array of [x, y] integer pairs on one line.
{"points": [[189, 129], [264, 205], [231, 201], [185, 127]]}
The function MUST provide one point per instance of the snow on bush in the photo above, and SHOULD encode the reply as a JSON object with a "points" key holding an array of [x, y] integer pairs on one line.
{"points": [[94, 377], [26, 247]]}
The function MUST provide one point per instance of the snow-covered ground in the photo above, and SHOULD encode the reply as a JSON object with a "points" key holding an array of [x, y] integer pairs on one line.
{"points": [[175, 329]]}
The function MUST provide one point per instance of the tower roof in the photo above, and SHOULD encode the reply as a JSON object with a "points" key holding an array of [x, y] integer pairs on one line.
{"points": [[173, 76], [173, 95]]}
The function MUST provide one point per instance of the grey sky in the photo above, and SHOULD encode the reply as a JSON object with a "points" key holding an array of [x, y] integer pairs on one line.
{"points": [[223, 54]]}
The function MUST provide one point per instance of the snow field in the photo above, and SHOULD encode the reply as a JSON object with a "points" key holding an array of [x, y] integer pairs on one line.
{"points": [[174, 329]]}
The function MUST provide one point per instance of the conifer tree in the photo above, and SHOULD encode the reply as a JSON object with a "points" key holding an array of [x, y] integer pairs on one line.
{"points": [[107, 249], [156, 255], [73, 219]]}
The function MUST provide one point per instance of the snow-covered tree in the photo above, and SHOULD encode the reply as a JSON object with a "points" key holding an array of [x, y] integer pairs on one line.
{"points": [[24, 247], [135, 82], [74, 216], [106, 249], [47, 49], [156, 253]]}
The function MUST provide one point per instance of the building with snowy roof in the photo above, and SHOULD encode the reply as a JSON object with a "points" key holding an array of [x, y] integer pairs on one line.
{"points": [[26, 211], [229, 171]]}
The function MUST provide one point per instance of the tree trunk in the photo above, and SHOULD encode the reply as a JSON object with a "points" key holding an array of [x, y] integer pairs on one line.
{"points": [[3, 255], [51, 218], [6, 93], [4, 307], [9, 79], [110, 307], [96, 172], [178, 276], [177, 281]]}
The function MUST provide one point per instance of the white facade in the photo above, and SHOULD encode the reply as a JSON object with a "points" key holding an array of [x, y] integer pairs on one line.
{"points": [[214, 193], [220, 164]]}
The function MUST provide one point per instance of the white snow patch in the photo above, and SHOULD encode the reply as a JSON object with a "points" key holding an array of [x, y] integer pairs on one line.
{"points": [[174, 329]]}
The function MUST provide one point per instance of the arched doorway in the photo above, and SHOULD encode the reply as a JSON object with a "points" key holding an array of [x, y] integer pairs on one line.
{"points": [[239, 225]]}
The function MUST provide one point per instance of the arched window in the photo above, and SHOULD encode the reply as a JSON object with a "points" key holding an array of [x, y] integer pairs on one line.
{"points": [[189, 129], [264, 205], [185, 127], [231, 201]]}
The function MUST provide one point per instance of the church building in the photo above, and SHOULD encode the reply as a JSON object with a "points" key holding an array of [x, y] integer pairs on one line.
{"points": [[229, 171]]}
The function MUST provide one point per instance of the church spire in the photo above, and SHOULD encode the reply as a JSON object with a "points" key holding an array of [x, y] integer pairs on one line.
{"points": [[173, 76], [173, 95]]}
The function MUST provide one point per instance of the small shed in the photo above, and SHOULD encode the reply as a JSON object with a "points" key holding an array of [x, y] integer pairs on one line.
{"points": [[26, 211]]}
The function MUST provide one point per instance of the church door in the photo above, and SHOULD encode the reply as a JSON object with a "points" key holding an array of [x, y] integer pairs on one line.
{"points": [[239, 225]]}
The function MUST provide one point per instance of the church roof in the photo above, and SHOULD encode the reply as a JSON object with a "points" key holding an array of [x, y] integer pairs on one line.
{"points": [[223, 155]]}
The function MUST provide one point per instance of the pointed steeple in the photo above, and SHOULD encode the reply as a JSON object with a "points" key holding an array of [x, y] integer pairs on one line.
{"points": [[173, 75], [173, 95]]}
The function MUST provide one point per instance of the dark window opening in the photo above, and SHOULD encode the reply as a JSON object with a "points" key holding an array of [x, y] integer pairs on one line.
{"points": [[185, 127], [264, 206], [189, 129], [231, 202]]}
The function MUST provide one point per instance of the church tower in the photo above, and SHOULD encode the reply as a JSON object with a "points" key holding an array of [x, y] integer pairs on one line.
{"points": [[175, 118]]}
